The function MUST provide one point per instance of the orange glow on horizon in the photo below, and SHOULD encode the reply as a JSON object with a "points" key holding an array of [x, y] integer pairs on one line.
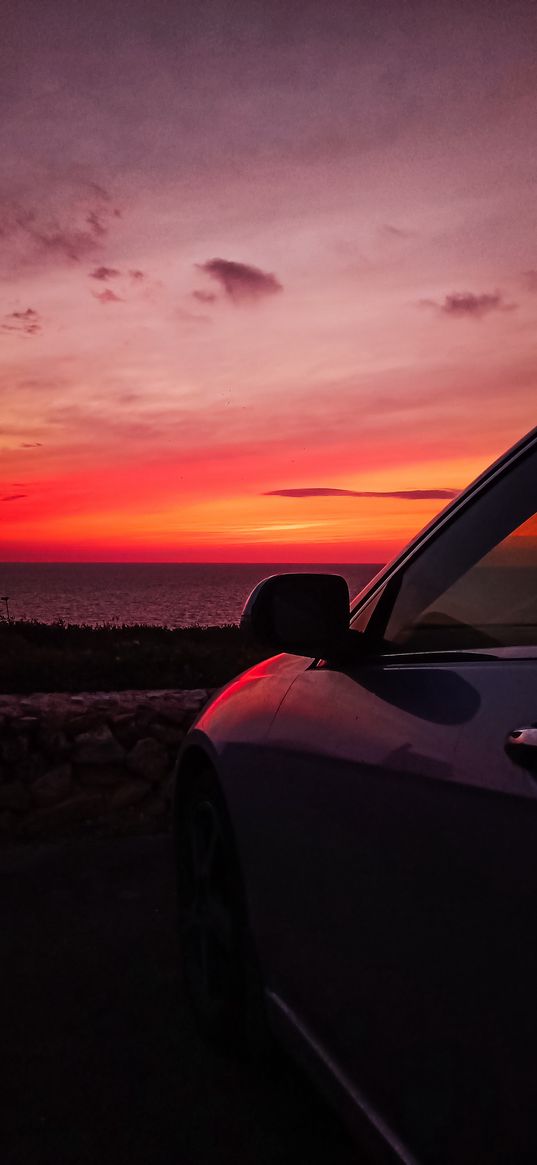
{"points": [[79, 521]]}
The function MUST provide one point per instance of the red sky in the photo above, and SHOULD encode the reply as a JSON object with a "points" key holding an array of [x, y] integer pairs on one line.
{"points": [[259, 247]]}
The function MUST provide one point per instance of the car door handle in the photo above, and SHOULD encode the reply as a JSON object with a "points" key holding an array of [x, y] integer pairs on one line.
{"points": [[521, 746]]}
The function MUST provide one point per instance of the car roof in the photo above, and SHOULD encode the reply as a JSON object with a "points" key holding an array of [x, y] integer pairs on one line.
{"points": [[447, 514]]}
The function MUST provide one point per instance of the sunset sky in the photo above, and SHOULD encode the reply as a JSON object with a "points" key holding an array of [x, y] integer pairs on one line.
{"points": [[254, 253]]}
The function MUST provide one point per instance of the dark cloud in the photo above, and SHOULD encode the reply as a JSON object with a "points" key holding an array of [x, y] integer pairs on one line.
{"points": [[13, 497], [467, 305], [240, 281], [104, 273], [530, 279], [204, 296], [32, 445], [66, 229], [27, 322], [137, 275], [107, 296], [319, 491]]}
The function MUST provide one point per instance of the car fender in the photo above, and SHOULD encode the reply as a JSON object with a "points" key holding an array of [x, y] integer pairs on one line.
{"points": [[238, 716], [229, 734]]}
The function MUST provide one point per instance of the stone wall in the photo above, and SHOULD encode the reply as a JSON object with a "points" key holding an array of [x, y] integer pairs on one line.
{"points": [[99, 760]]}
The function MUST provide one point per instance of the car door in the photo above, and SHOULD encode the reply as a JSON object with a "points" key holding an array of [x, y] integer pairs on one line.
{"points": [[402, 828]]}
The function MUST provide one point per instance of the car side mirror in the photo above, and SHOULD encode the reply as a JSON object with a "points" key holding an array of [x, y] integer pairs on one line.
{"points": [[304, 614]]}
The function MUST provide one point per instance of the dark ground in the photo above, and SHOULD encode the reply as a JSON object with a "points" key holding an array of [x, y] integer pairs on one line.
{"points": [[100, 1062]]}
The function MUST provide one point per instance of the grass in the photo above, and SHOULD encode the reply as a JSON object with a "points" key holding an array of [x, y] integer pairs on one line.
{"points": [[69, 657]]}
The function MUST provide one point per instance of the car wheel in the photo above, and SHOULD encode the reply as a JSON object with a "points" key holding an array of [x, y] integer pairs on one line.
{"points": [[219, 964]]}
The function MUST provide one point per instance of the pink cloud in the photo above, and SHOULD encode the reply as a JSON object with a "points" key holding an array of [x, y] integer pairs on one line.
{"points": [[105, 273], [241, 281], [467, 305], [107, 296], [26, 322]]}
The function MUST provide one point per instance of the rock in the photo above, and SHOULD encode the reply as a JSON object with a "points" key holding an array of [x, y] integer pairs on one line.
{"points": [[84, 722], [168, 734], [155, 806], [13, 795], [121, 720], [99, 775], [143, 718], [53, 741], [171, 710], [53, 786], [26, 708], [83, 806], [193, 700], [98, 747], [28, 725], [189, 720], [131, 792], [8, 821], [31, 767], [123, 725], [148, 759], [14, 749], [68, 758]]}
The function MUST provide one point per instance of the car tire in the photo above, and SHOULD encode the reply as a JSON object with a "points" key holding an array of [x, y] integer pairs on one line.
{"points": [[219, 964]]}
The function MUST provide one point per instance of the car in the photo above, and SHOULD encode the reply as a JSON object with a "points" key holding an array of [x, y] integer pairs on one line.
{"points": [[356, 835]]}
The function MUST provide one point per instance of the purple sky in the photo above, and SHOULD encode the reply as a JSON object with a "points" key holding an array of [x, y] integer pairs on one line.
{"points": [[255, 248]]}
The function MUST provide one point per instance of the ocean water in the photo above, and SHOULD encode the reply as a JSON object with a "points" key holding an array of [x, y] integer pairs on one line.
{"points": [[162, 594]]}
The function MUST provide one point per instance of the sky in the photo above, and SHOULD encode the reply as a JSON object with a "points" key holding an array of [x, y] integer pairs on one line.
{"points": [[268, 272]]}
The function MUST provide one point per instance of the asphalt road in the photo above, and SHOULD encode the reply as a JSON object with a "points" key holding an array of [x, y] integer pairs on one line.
{"points": [[100, 1061]]}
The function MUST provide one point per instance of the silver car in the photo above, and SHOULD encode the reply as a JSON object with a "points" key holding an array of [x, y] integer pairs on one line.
{"points": [[356, 835]]}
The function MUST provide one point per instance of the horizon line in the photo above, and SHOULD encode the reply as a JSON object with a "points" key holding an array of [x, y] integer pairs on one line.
{"points": [[185, 562]]}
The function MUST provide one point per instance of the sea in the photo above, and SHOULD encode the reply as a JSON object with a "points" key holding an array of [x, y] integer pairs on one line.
{"points": [[160, 594]]}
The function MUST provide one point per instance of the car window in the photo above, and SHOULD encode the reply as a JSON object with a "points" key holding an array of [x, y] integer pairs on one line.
{"points": [[475, 584]]}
